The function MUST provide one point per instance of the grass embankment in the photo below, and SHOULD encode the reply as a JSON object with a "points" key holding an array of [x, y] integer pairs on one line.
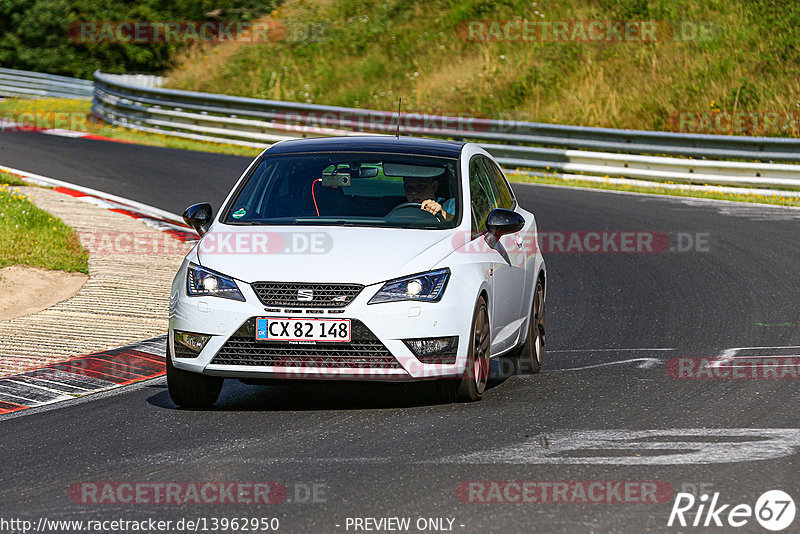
{"points": [[737, 57], [31, 236], [75, 115]]}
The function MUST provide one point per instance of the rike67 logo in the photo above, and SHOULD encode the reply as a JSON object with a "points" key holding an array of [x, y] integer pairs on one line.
{"points": [[774, 510]]}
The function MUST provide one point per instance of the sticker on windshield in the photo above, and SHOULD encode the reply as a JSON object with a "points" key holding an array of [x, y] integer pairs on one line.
{"points": [[238, 214]]}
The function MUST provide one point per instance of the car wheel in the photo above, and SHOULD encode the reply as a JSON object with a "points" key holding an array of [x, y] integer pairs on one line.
{"points": [[532, 353], [471, 385], [191, 390]]}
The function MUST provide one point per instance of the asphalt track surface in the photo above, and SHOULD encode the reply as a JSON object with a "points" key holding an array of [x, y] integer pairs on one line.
{"points": [[614, 320]]}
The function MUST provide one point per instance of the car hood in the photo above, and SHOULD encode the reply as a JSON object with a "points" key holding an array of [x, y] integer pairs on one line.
{"points": [[324, 254]]}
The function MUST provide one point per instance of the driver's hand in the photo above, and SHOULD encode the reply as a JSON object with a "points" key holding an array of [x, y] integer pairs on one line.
{"points": [[435, 208], [431, 206]]}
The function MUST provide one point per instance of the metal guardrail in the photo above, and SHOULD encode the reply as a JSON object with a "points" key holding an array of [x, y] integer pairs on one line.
{"points": [[138, 101], [567, 149], [25, 84], [272, 116], [649, 167]]}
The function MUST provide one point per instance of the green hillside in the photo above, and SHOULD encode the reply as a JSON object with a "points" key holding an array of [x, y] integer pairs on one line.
{"points": [[707, 57]]}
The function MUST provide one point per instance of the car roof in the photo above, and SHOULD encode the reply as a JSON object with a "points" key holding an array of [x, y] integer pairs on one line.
{"points": [[370, 143]]}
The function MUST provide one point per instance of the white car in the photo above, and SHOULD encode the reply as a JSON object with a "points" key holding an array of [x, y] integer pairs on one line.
{"points": [[358, 258]]}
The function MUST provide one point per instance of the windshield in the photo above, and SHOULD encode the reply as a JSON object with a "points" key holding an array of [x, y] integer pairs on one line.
{"points": [[349, 189]]}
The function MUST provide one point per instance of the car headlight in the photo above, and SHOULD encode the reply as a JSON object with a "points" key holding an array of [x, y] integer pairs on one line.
{"points": [[202, 282], [427, 287]]}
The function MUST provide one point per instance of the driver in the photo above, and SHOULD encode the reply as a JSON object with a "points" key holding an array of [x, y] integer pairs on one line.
{"points": [[423, 190]]}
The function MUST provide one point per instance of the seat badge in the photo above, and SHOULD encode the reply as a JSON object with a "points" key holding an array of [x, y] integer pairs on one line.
{"points": [[305, 295]]}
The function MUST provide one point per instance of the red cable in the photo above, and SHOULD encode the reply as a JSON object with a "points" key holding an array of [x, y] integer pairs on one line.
{"points": [[313, 197]]}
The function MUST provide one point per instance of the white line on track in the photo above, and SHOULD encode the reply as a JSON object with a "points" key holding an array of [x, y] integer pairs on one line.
{"points": [[656, 447], [674, 447], [25, 383], [729, 355], [763, 348], [42, 383], [608, 350], [4, 396], [646, 364], [763, 356]]}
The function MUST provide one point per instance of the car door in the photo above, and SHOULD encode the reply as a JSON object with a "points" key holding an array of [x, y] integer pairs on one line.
{"points": [[518, 245], [507, 278]]}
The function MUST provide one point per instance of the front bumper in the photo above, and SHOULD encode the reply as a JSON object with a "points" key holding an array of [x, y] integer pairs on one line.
{"points": [[227, 322]]}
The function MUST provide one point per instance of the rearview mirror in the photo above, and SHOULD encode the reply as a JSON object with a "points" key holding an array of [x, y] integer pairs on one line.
{"points": [[501, 222], [407, 170], [199, 217]]}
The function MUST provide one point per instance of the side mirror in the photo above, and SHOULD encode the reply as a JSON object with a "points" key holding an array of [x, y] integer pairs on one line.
{"points": [[501, 222], [199, 217]]}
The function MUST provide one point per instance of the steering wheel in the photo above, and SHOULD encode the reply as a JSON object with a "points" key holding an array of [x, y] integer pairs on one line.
{"points": [[412, 212]]}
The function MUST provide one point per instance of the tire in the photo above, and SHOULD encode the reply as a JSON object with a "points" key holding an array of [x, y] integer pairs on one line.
{"points": [[472, 383], [532, 353], [191, 390]]}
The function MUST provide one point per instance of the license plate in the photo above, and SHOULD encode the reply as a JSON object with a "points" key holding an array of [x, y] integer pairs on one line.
{"points": [[281, 329]]}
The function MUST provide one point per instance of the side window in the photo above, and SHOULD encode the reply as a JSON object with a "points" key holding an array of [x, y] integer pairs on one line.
{"points": [[506, 196], [482, 194]]}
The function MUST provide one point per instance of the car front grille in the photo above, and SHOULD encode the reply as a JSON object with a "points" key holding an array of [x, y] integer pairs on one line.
{"points": [[364, 351], [446, 358], [182, 351], [311, 295]]}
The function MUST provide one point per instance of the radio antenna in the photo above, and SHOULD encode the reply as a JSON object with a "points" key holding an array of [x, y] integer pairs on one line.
{"points": [[399, 103]]}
